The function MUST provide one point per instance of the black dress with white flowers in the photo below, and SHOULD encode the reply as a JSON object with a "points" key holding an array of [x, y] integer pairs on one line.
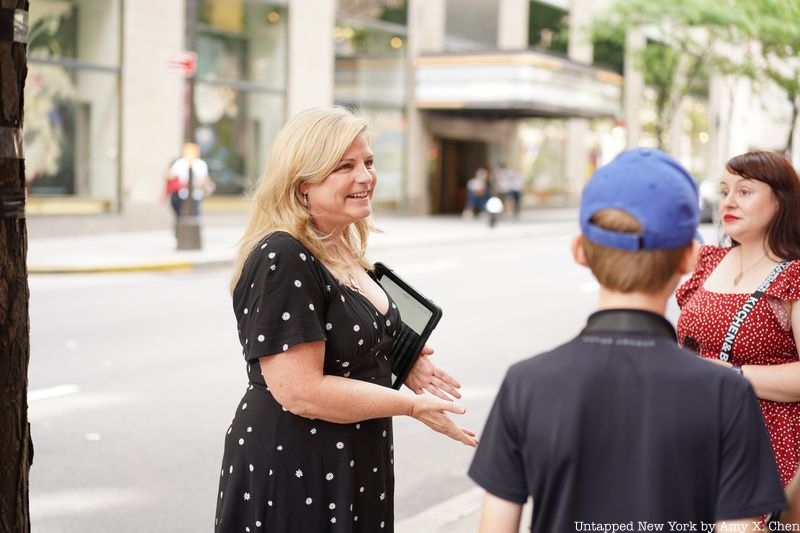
{"points": [[282, 472]]}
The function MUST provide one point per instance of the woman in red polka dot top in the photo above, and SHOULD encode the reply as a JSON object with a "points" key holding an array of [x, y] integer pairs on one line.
{"points": [[759, 209]]}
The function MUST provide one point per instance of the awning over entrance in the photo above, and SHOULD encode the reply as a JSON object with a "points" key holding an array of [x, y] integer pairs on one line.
{"points": [[516, 84]]}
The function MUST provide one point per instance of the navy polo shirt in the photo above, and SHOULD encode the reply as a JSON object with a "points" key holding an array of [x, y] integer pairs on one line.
{"points": [[622, 426]]}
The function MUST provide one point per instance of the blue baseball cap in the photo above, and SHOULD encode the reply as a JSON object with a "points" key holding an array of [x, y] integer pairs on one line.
{"points": [[653, 188]]}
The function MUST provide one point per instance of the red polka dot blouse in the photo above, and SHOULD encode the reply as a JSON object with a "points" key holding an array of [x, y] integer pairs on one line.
{"points": [[765, 338]]}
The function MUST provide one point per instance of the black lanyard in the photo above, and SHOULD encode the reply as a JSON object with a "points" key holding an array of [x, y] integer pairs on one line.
{"points": [[749, 304]]}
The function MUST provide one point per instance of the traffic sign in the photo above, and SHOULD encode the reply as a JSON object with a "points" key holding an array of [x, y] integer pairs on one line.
{"points": [[184, 62]]}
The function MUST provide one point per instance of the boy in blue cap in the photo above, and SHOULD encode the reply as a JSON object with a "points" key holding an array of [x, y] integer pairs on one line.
{"points": [[620, 429]]}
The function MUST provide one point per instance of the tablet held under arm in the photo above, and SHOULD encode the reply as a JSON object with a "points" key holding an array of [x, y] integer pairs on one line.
{"points": [[418, 315]]}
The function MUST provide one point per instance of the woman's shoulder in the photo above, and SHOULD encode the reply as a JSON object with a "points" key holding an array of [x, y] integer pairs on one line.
{"points": [[281, 241], [707, 260], [281, 248], [709, 252], [787, 285]]}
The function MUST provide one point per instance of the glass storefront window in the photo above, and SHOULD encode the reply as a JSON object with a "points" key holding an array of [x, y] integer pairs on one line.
{"points": [[547, 27], [542, 147], [395, 11], [387, 140], [370, 75], [239, 96], [53, 32], [72, 99]]}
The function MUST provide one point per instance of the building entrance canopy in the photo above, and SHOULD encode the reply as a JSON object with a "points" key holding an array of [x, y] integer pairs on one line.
{"points": [[516, 84]]}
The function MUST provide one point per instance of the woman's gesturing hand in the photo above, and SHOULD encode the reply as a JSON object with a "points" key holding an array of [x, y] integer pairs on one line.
{"points": [[433, 411], [427, 376]]}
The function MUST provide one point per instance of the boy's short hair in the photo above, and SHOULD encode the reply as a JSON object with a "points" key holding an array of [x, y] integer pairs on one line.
{"points": [[645, 271], [637, 216]]}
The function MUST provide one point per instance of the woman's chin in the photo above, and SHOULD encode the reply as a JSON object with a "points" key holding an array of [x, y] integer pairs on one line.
{"points": [[362, 212]]}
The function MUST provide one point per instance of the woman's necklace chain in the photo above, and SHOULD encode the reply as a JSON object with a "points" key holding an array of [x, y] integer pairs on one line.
{"points": [[354, 283], [743, 271]]}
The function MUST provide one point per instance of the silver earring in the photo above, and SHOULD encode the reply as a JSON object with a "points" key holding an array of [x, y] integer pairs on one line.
{"points": [[304, 198]]}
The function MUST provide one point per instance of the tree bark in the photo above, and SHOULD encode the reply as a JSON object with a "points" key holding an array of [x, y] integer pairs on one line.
{"points": [[16, 449]]}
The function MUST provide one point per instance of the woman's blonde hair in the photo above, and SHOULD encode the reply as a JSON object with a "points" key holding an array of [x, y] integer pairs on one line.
{"points": [[306, 151]]}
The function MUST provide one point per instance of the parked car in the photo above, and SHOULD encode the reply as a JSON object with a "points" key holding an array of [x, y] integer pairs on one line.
{"points": [[708, 193]]}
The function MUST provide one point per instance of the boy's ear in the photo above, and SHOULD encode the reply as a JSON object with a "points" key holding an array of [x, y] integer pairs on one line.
{"points": [[689, 259], [577, 251]]}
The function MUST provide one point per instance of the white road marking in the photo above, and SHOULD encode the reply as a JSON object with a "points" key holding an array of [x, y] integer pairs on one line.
{"points": [[88, 501], [52, 392], [459, 514], [43, 410]]}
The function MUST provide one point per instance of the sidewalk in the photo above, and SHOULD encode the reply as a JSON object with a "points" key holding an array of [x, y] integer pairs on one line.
{"points": [[155, 250]]}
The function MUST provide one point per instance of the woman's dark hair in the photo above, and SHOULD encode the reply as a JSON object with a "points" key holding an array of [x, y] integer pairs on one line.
{"points": [[772, 168]]}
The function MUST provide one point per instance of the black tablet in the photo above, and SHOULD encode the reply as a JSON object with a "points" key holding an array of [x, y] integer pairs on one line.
{"points": [[418, 316]]}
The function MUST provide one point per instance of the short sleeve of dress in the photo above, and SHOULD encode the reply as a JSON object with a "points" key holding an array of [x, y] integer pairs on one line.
{"points": [[707, 260], [786, 287], [497, 465], [280, 298]]}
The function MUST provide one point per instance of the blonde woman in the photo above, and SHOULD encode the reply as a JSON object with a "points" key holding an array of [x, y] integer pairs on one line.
{"points": [[310, 446]]}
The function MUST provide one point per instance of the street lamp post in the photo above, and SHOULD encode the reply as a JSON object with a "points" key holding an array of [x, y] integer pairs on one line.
{"points": [[187, 231]]}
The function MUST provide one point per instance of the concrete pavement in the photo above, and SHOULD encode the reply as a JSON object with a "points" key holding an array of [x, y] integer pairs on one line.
{"points": [[155, 250]]}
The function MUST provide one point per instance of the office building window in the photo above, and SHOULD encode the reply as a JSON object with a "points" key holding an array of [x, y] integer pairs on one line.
{"points": [[471, 25], [547, 27], [370, 76], [240, 89]]}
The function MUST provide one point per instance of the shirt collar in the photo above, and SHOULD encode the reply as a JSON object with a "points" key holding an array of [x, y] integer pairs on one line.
{"points": [[629, 321]]}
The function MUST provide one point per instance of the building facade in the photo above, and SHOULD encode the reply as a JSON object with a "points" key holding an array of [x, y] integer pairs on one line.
{"points": [[448, 86]]}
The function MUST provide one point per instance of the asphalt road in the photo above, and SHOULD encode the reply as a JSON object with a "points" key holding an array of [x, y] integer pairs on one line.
{"points": [[134, 379]]}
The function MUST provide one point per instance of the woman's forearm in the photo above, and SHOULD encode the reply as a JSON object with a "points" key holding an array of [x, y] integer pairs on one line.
{"points": [[778, 383], [344, 401]]}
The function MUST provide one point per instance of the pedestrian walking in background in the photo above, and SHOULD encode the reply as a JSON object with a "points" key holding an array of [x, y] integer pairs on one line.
{"points": [[477, 193], [760, 202], [511, 184], [178, 181], [620, 424], [310, 446]]}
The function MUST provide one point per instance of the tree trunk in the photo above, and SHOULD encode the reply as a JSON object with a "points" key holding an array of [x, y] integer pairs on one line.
{"points": [[16, 449]]}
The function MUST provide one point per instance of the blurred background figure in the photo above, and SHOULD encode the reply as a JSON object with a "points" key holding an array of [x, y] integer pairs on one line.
{"points": [[477, 192], [188, 176], [510, 183]]}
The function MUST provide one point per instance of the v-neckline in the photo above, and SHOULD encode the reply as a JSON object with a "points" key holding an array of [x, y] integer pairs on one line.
{"points": [[364, 296], [370, 302]]}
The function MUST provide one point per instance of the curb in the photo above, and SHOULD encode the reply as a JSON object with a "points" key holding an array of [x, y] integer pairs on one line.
{"points": [[553, 228], [167, 266], [437, 518]]}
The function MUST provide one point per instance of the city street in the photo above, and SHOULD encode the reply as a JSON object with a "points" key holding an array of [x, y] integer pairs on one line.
{"points": [[156, 131], [135, 377]]}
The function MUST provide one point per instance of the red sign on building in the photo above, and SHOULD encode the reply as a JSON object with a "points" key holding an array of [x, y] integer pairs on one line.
{"points": [[184, 62]]}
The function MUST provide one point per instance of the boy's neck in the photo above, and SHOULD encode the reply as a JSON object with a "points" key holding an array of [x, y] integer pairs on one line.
{"points": [[655, 303]]}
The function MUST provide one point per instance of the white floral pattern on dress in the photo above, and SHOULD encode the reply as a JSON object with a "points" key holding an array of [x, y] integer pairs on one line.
{"points": [[302, 302]]}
